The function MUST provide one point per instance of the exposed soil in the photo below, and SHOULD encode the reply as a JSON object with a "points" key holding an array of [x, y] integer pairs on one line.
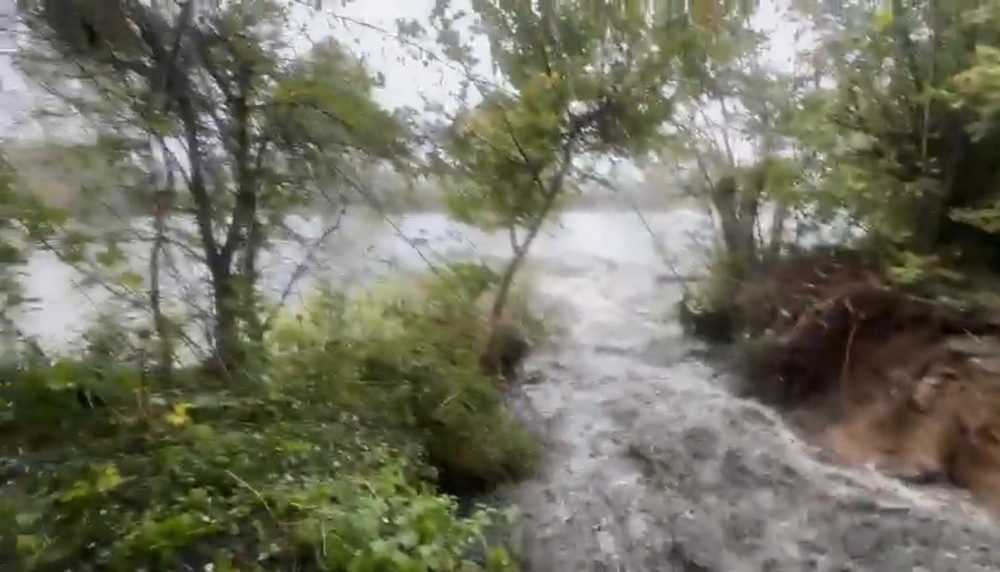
{"points": [[882, 378]]}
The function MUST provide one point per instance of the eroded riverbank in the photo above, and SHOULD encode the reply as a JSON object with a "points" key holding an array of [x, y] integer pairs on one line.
{"points": [[655, 465]]}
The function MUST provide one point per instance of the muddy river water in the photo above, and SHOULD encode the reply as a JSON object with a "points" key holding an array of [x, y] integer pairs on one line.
{"points": [[651, 463]]}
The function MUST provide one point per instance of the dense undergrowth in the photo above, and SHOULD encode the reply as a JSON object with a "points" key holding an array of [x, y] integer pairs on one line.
{"points": [[336, 455]]}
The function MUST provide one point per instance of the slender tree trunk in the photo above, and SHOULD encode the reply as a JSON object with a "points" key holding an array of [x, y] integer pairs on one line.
{"points": [[724, 196], [250, 275], [736, 206], [506, 282], [552, 191], [777, 232], [746, 215], [521, 250], [165, 358]]}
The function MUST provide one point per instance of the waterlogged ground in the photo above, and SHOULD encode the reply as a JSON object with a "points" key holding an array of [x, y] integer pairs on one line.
{"points": [[651, 464]]}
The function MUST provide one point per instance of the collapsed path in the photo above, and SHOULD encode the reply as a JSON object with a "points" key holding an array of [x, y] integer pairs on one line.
{"points": [[653, 466]]}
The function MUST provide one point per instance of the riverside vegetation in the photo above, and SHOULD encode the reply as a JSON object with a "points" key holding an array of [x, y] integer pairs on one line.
{"points": [[224, 429], [339, 435], [328, 457], [880, 343]]}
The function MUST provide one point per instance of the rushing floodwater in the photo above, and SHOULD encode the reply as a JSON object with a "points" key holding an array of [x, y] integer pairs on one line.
{"points": [[651, 464], [367, 248]]}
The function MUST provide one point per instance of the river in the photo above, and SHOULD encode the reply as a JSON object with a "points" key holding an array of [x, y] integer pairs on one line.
{"points": [[366, 248], [651, 463]]}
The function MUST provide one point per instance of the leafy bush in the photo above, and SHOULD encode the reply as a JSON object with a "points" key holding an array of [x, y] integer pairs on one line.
{"points": [[327, 460], [412, 361], [290, 494]]}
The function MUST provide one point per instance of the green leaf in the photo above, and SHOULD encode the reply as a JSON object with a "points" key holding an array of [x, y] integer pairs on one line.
{"points": [[29, 543], [883, 19], [108, 479], [131, 279]]}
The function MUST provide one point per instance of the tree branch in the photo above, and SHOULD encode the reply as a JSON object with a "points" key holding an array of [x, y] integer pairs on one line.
{"points": [[303, 266]]}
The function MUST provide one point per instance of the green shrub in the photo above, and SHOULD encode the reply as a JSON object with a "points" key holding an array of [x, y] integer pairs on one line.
{"points": [[408, 361], [327, 460], [293, 494]]}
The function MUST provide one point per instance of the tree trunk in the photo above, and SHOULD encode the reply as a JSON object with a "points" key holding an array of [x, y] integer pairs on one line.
{"points": [[724, 197], [165, 357], [521, 251], [250, 273], [227, 340], [775, 240], [506, 282], [736, 207]]}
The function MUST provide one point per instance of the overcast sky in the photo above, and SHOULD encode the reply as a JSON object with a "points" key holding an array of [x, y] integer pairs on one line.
{"points": [[370, 25], [367, 26], [406, 77]]}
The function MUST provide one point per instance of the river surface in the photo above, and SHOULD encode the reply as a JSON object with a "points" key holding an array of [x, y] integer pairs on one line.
{"points": [[651, 464]]}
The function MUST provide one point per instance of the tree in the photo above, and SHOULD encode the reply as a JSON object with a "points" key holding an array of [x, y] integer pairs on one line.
{"points": [[569, 88], [902, 154], [217, 137], [731, 145]]}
